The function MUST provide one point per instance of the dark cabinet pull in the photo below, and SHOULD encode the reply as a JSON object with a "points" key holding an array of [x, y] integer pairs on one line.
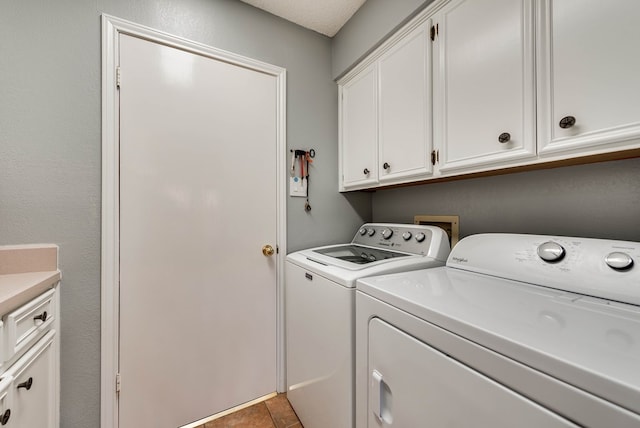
{"points": [[42, 317], [5, 417], [27, 384], [386, 166], [366, 171], [505, 137], [567, 122]]}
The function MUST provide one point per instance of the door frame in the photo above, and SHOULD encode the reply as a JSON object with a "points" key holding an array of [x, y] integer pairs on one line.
{"points": [[112, 27]]}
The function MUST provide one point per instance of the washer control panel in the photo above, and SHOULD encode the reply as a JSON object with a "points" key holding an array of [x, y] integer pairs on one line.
{"points": [[407, 238], [595, 267]]}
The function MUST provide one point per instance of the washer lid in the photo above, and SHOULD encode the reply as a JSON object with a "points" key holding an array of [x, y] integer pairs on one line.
{"points": [[591, 343]]}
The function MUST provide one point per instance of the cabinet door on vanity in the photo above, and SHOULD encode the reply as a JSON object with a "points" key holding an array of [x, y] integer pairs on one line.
{"points": [[484, 103], [405, 107], [588, 68], [358, 125]]}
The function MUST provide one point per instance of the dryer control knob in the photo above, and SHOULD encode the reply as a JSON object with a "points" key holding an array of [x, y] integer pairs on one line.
{"points": [[406, 236], [362, 231], [387, 233], [420, 237], [619, 261], [551, 251], [371, 232]]}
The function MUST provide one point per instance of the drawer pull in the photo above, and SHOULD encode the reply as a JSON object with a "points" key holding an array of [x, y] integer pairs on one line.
{"points": [[5, 417], [386, 165], [42, 317], [366, 171], [27, 384]]}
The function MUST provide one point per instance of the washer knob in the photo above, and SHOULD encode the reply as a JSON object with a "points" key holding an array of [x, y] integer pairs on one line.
{"points": [[406, 236], [551, 251], [420, 237], [619, 261], [387, 233], [362, 231], [371, 232]]}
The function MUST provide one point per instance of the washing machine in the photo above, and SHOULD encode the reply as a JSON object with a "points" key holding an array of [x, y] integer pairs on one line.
{"points": [[522, 331], [320, 306]]}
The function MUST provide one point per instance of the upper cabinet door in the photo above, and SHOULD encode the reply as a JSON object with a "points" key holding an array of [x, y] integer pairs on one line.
{"points": [[405, 132], [589, 70], [359, 138], [484, 105]]}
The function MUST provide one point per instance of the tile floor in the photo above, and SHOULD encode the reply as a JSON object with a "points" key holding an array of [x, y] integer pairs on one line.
{"points": [[276, 412]]}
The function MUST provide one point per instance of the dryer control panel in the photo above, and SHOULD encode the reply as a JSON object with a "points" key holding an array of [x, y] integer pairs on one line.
{"points": [[596, 267]]}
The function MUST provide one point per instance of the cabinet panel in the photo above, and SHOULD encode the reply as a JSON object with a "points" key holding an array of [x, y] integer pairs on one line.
{"points": [[414, 385], [484, 83], [405, 107], [34, 386], [359, 138], [588, 69]]}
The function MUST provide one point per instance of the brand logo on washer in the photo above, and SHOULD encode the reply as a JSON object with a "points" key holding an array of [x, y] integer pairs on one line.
{"points": [[460, 260]]}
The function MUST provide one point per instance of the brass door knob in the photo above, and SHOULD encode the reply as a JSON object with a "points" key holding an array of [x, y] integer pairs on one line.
{"points": [[268, 250]]}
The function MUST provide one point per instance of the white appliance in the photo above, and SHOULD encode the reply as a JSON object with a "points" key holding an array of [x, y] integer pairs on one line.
{"points": [[320, 304], [515, 331]]}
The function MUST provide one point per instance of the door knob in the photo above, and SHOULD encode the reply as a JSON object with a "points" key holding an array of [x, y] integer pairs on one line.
{"points": [[268, 250]]}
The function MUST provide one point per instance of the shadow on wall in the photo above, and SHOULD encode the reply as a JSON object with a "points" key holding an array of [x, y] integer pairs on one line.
{"points": [[599, 200]]}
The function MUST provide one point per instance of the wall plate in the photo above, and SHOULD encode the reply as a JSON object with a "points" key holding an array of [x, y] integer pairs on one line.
{"points": [[449, 223], [297, 187]]}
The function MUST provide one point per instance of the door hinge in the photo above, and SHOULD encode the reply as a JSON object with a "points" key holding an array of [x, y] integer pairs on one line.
{"points": [[118, 384], [434, 32], [118, 77], [435, 156]]}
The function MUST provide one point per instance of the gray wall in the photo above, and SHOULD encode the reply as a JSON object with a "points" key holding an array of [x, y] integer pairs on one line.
{"points": [[50, 146], [597, 200], [368, 27]]}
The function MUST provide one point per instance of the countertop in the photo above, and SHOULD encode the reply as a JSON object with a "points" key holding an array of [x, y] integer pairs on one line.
{"points": [[26, 271]]}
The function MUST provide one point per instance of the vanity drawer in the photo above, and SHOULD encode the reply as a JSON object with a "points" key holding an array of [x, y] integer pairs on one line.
{"points": [[28, 323]]}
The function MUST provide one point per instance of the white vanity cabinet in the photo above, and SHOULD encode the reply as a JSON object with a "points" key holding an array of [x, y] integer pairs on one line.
{"points": [[588, 68], [484, 103], [29, 372], [385, 114]]}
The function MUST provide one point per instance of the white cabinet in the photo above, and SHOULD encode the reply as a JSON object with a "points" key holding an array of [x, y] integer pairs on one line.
{"points": [[29, 375], [405, 107], [359, 137], [588, 72], [33, 388], [385, 115], [484, 83]]}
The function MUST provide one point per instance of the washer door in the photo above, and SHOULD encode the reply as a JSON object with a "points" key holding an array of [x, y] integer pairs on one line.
{"points": [[412, 384]]}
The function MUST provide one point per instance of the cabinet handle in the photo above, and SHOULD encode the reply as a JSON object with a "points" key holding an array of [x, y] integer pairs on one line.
{"points": [[27, 385], [386, 166], [567, 122], [42, 317], [366, 171], [4, 419], [505, 137]]}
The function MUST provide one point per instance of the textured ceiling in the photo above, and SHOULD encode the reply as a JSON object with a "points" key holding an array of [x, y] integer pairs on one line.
{"points": [[323, 16]]}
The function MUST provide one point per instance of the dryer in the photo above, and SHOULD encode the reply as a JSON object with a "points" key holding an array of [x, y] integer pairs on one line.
{"points": [[516, 330], [319, 312]]}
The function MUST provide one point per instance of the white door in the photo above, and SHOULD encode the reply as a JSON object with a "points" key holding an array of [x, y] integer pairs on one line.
{"points": [[197, 204]]}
